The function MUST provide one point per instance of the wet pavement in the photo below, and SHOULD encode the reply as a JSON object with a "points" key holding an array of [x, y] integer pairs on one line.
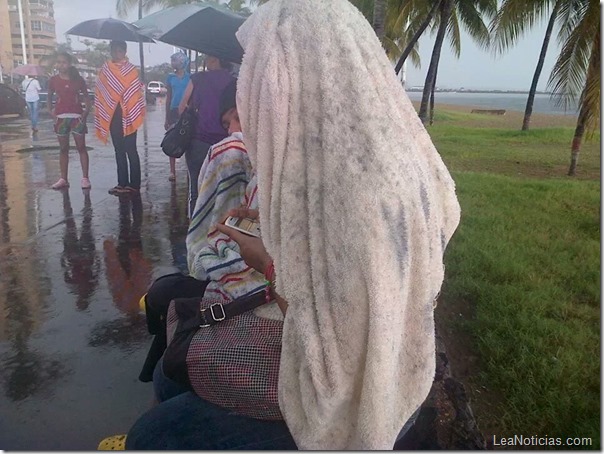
{"points": [[73, 265]]}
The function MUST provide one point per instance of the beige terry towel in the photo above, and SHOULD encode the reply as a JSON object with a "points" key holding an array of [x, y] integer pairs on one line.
{"points": [[356, 208]]}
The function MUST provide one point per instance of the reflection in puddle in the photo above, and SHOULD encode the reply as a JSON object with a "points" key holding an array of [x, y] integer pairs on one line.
{"points": [[81, 265], [27, 373], [129, 272], [127, 333]]}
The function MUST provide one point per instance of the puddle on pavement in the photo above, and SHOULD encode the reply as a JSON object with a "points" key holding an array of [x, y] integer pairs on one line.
{"points": [[73, 265], [43, 148]]}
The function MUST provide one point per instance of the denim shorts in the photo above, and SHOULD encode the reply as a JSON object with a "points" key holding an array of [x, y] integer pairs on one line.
{"points": [[64, 126]]}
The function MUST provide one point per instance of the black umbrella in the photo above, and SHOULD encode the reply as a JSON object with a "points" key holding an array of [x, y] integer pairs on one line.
{"points": [[206, 28], [109, 28]]}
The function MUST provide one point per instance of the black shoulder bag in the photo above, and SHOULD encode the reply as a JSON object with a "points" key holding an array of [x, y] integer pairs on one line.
{"points": [[178, 138]]}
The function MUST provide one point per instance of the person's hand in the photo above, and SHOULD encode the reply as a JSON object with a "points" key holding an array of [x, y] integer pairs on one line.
{"points": [[252, 249]]}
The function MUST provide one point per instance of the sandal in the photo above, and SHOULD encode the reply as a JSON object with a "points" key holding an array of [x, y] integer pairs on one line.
{"points": [[117, 190], [132, 190], [61, 184], [114, 443]]}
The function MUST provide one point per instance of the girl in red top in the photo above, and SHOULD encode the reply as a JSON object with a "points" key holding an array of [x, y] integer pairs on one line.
{"points": [[69, 116]]}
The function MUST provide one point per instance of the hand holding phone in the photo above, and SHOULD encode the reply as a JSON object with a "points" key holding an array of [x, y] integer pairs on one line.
{"points": [[244, 225]]}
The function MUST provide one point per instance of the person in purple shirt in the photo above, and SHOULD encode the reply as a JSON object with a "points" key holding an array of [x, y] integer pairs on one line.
{"points": [[204, 91]]}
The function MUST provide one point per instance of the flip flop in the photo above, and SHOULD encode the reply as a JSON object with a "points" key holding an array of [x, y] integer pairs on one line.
{"points": [[113, 443], [117, 190]]}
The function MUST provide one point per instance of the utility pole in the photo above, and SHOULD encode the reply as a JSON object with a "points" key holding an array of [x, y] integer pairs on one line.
{"points": [[141, 50], [21, 26]]}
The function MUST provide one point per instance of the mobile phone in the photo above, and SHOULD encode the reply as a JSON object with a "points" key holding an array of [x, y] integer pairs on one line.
{"points": [[244, 225]]}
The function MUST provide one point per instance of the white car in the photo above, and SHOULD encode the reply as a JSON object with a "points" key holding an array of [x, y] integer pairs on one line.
{"points": [[156, 88]]}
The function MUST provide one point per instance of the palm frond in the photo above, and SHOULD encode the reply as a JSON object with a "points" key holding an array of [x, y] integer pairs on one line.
{"points": [[123, 7], [415, 58], [514, 19], [590, 98], [391, 47], [473, 15], [454, 34], [570, 70], [569, 15]]}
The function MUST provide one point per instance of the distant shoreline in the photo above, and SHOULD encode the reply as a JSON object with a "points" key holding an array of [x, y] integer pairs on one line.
{"points": [[462, 90]]}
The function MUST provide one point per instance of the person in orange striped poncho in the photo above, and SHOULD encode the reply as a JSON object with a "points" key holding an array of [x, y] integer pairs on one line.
{"points": [[120, 109]]}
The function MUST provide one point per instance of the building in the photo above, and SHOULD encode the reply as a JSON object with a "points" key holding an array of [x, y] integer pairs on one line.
{"points": [[39, 29], [86, 70], [6, 43]]}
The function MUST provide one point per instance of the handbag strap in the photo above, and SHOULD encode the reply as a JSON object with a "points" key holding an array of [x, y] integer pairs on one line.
{"points": [[214, 313]]}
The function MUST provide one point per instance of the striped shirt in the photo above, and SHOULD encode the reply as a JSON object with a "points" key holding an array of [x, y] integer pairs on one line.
{"points": [[225, 182]]}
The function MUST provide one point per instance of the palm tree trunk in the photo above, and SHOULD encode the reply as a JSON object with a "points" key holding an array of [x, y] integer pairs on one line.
{"points": [[531, 97], [445, 14], [416, 36], [141, 50], [585, 113], [379, 18], [432, 99], [576, 143]]}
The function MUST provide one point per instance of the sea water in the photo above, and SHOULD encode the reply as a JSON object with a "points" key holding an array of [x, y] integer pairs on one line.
{"points": [[508, 101]]}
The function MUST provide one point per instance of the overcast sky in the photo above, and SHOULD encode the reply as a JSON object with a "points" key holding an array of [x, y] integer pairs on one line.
{"points": [[475, 69]]}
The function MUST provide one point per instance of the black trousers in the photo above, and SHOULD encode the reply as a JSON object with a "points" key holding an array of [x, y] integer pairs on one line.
{"points": [[161, 292], [125, 152]]}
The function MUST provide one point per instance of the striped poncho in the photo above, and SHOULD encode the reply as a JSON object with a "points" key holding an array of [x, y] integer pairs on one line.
{"points": [[118, 83]]}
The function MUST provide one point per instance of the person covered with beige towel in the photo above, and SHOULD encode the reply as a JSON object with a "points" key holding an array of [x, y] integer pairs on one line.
{"points": [[356, 208]]}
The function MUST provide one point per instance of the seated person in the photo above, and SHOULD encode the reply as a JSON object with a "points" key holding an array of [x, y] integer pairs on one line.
{"points": [[357, 208], [225, 182]]}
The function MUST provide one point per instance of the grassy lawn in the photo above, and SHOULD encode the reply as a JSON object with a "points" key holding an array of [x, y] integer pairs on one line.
{"points": [[521, 303]]}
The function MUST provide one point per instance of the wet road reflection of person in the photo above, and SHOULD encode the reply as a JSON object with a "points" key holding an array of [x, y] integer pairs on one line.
{"points": [[79, 261], [178, 224], [128, 271]]}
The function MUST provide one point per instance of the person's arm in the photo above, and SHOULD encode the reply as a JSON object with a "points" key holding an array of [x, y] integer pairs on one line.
{"points": [[168, 102], [252, 250], [51, 92], [87, 100], [185, 98]]}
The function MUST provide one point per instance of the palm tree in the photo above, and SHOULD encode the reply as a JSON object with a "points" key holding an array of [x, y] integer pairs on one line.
{"points": [[401, 23], [576, 73], [418, 31], [379, 18], [452, 14], [513, 19]]}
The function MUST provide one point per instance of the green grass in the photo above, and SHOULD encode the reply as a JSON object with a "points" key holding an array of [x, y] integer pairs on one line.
{"points": [[534, 153], [526, 258]]}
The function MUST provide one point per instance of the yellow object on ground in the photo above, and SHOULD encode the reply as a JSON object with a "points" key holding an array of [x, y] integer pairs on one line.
{"points": [[141, 302], [114, 443]]}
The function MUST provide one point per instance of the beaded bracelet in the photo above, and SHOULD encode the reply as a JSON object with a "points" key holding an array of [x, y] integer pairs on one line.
{"points": [[269, 275]]}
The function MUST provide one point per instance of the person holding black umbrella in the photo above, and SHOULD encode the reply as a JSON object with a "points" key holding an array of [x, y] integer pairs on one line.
{"points": [[203, 95], [119, 110]]}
